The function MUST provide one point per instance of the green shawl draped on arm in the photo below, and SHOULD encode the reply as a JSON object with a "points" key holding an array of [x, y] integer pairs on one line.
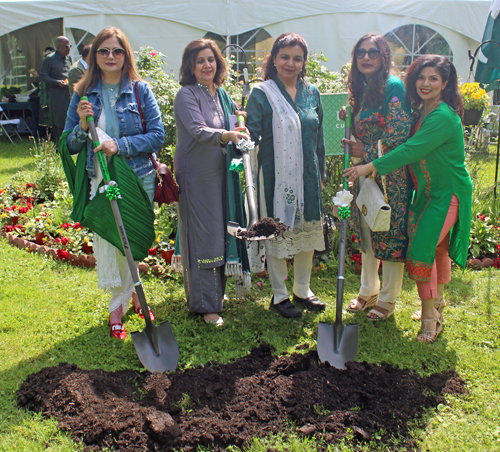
{"points": [[97, 215]]}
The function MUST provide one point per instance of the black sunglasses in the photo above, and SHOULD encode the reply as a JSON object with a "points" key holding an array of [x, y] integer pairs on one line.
{"points": [[117, 52], [372, 53]]}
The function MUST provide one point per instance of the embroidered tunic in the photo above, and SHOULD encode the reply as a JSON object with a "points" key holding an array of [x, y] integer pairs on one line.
{"points": [[436, 154], [260, 123], [391, 123]]}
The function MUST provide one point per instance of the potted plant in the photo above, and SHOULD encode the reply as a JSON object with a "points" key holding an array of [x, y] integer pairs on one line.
{"points": [[7, 92], [475, 100]]}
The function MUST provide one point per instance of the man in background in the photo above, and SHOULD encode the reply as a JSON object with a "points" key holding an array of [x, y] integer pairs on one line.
{"points": [[78, 69], [54, 74]]}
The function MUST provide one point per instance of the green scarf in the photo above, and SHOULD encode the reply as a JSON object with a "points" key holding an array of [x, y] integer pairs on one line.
{"points": [[236, 249], [97, 215]]}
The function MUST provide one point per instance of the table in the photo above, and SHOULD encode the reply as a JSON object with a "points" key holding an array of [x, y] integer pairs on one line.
{"points": [[29, 123]]}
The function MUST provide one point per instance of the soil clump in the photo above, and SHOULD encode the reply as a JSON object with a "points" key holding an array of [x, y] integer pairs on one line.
{"points": [[265, 227], [220, 405]]}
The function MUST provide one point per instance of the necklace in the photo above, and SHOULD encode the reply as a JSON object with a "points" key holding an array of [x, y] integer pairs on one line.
{"points": [[433, 106], [211, 99]]}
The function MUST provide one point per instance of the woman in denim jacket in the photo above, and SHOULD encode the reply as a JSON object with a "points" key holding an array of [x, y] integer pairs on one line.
{"points": [[110, 84]]}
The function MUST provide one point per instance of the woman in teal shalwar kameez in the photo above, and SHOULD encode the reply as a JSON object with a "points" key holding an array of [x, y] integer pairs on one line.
{"points": [[380, 113], [285, 118], [440, 215]]}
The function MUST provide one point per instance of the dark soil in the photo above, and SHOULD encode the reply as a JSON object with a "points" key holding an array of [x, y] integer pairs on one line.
{"points": [[266, 227], [222, 405]]}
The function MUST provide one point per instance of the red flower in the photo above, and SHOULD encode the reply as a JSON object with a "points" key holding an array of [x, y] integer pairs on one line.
{"points": [[65, 226], [353, 238], [498, 248], [76, 226], [356, 257], [152, 251], [482, 217], [9, 228], [62, 254], [23, 209], [152, 53], [65, 240]]}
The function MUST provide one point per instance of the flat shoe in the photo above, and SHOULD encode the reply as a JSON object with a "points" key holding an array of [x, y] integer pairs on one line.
{"points": [[118, 331], [138, 310], [360, 304], [388, 307], [439, 305], [219, 321], [286, 308], [312, 303]]}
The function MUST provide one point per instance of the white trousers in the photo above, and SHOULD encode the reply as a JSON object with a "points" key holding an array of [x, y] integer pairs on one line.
{"points": [[277, 269], [392, 273]]}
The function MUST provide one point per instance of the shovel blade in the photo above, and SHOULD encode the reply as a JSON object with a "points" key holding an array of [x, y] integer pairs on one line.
{"points": [[168, 358], [337, 343]]}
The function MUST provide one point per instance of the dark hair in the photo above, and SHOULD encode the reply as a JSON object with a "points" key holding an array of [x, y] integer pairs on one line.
{"points": [[49, 49], [93, 74], [86, 50], [356, 81], [189, 56], [285, 40], [450, 94]]}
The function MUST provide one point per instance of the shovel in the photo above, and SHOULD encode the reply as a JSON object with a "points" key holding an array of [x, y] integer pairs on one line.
{"points": [[251, 195], [338, 343], [156, 346]]}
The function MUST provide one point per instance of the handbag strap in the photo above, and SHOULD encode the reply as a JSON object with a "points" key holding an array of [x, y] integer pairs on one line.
{"points": [[143, 122], [373, 174]]}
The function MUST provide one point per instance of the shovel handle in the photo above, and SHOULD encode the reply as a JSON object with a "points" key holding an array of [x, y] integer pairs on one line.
{"points": [[348, 121]]}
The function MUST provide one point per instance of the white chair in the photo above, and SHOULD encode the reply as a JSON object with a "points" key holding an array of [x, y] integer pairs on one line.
{"points": [[7, 125]]}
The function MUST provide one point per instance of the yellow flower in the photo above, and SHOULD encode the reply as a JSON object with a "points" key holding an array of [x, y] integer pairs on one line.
{"points": [[158, 240], [171, 242], [49, 220], [86, 240], [4, 215]]}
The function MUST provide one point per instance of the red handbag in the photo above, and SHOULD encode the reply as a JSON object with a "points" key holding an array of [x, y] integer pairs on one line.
{"points": [[167, 190]]}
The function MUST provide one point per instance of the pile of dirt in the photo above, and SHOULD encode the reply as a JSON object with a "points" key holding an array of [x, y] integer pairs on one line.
{"points": [[265, 227], [222, 405]]}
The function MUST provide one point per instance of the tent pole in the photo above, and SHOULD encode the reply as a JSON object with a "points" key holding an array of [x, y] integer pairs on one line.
{"points": [[228, 37]]}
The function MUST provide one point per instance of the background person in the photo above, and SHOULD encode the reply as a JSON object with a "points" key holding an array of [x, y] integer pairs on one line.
{"points": [[209, 195], [110, 87], [285, 118], [440, 215], [379, 112], [78, 69], [54, 74]]}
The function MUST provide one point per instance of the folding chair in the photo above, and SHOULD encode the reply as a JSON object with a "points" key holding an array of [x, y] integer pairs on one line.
{"points": [[9, 124]]}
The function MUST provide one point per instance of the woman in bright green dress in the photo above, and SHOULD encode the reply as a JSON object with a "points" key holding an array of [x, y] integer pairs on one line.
{"points": [[440, 214], [380, 112]]}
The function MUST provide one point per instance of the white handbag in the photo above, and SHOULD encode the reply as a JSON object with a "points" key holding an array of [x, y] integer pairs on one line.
{"points": [[373, 204]]}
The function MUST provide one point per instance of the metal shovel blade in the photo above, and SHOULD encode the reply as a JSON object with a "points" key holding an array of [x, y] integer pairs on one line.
{"points": [[163, 337], [337, 343]]}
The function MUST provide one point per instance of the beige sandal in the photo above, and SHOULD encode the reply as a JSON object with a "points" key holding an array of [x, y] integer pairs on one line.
{"points": [[388, 308], [360, 304], [439, 305], [431, 329]]}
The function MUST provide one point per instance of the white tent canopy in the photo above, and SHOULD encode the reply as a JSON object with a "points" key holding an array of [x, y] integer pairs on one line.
{"points": [[330, 27]]}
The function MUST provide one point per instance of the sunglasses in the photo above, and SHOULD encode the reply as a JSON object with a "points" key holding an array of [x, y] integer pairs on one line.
{"points": [[373, 54], [117, 52]]}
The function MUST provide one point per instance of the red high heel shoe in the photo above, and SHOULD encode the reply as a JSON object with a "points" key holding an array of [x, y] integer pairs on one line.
{"points": [[138, 310], [118, 331]]}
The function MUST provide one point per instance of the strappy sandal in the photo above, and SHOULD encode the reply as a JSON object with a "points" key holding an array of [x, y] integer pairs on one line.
{"points": [[439, 305], [389, 309], [431, 329], [360, 304]]}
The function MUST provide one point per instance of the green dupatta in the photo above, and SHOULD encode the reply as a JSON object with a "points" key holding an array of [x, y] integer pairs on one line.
{"points": [[97, 215]]}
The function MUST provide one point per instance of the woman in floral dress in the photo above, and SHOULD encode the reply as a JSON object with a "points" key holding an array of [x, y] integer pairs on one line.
{"points": [[380, 113]]}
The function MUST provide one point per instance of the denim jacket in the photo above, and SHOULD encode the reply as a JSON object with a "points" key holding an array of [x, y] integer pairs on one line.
{"points": [[133, 144]]}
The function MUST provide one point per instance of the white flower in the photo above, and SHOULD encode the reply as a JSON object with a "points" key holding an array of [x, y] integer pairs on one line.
{"points": [[343, 198]]}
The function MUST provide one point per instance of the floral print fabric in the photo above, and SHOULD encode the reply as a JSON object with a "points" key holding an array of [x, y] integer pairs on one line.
{"points": [[391, 123]]}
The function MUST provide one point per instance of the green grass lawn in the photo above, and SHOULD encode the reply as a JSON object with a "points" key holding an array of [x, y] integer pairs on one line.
{"points": [[52, 313]]}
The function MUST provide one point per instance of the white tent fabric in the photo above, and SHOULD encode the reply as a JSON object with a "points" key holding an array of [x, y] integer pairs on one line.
{"points": [[331, 27]]}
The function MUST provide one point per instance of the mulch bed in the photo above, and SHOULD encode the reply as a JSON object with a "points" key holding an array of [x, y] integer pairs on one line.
{"points": [[221, 405]]}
